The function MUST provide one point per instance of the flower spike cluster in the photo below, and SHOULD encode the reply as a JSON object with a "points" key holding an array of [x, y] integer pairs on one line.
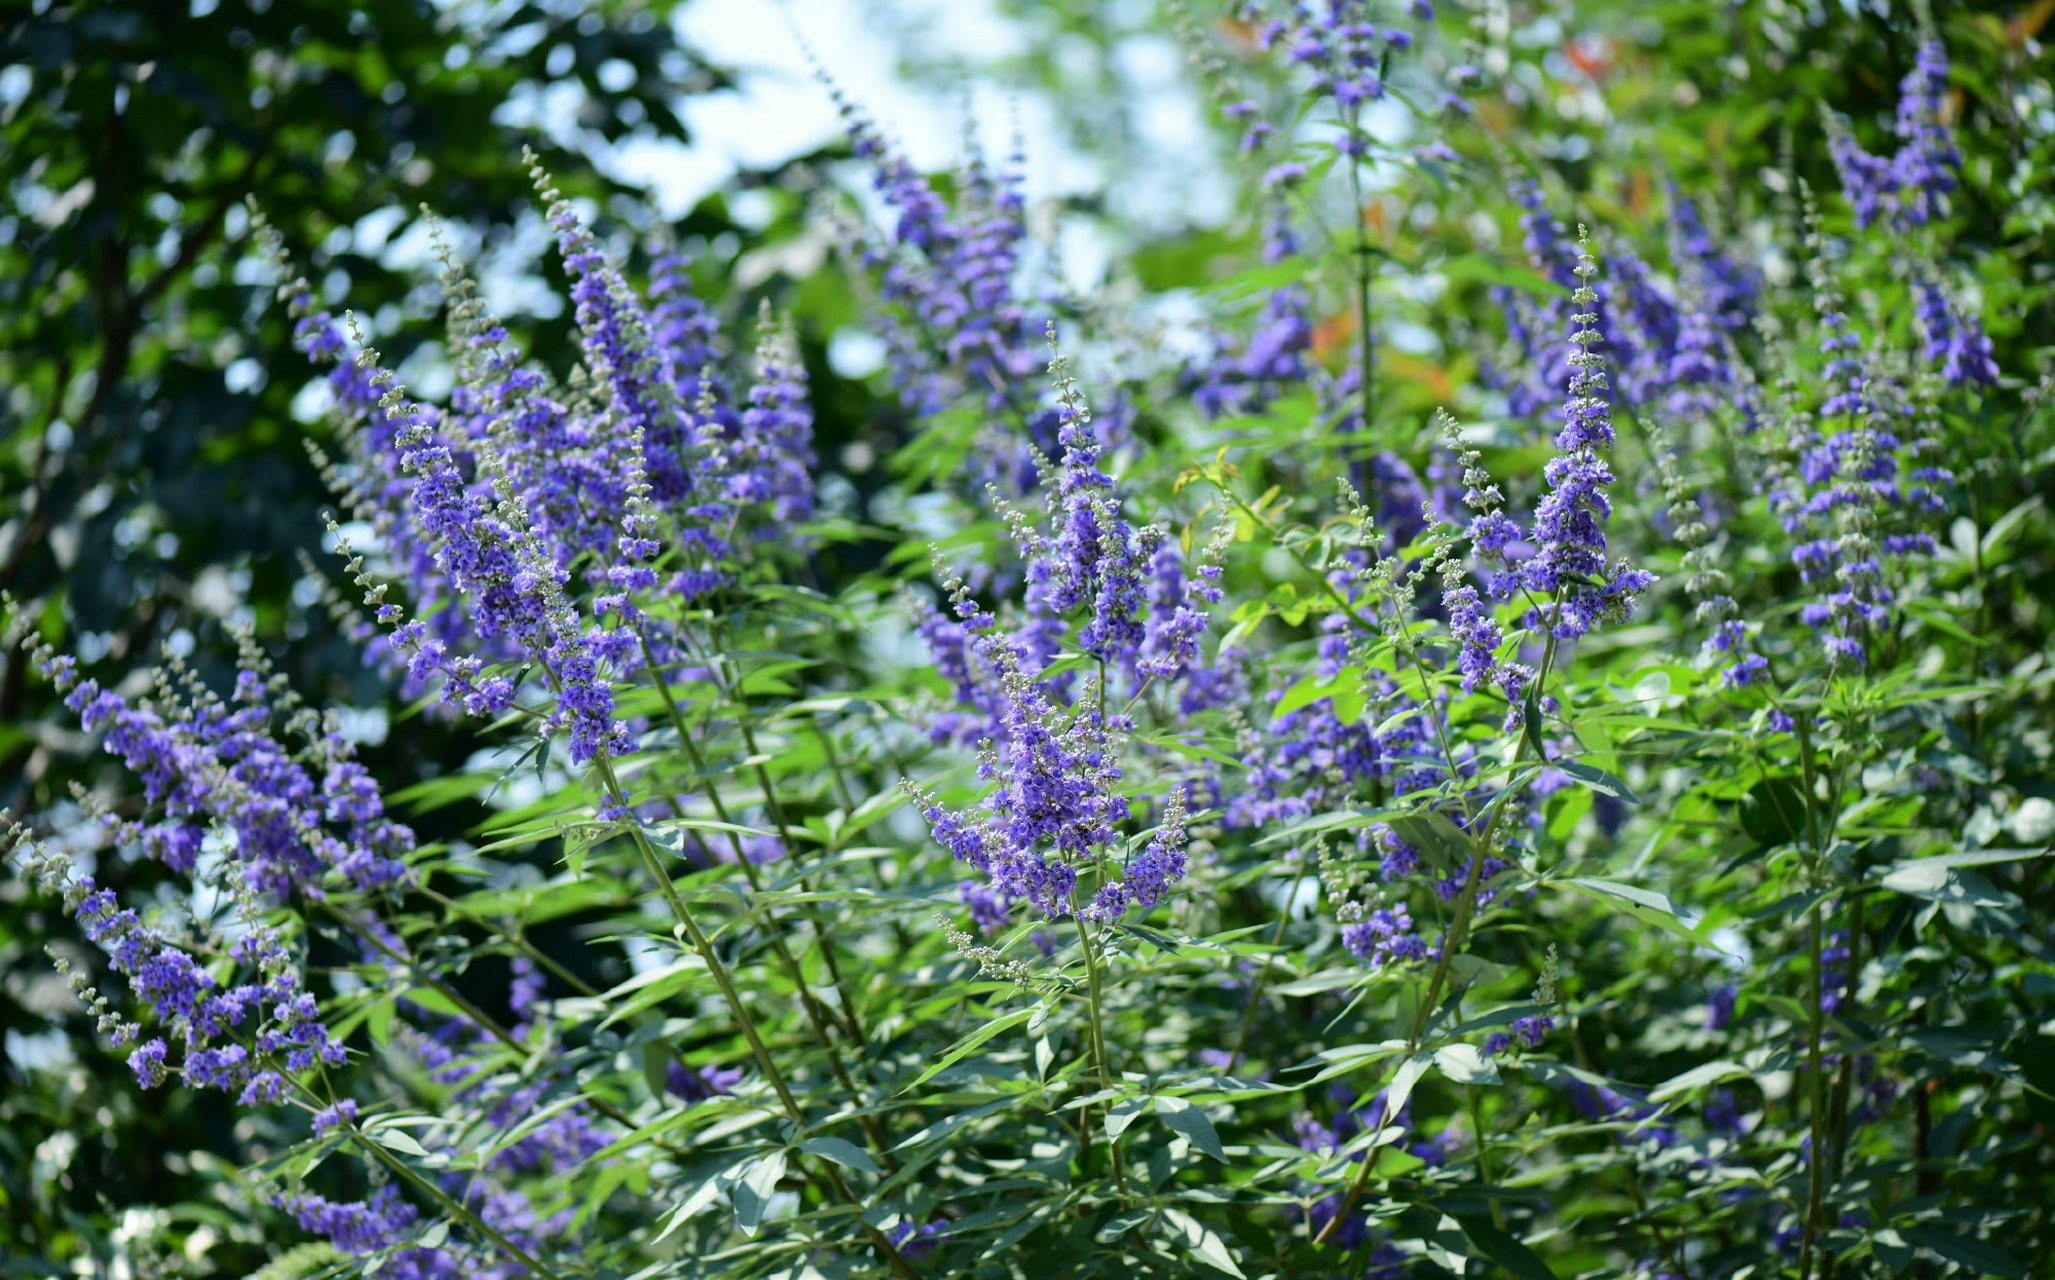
{"points": [[1568, 566], [1910, 187]]}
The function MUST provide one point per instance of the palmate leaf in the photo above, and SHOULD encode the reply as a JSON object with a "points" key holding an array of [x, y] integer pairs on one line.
{"points": [[1644, 905], [1505, 1249], [842, 1152], [968, 1045], [1190, 1120], [1598, 780], [1982, 1258]]}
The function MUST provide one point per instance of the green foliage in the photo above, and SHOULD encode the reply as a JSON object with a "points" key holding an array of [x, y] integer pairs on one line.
{"points": [[1186, 1089]]}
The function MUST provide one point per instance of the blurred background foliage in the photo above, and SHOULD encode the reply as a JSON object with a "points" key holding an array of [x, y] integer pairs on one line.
{"points": [[154, 480]]}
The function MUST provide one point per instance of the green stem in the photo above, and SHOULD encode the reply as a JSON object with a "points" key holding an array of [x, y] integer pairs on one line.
{"points": [[1241, 1038], [1084, 935], [1365, 279], [814, 1012], [1482, 1139], [1816, 1165], [469, 1219], [726, 982], [731, 688], [1452, 942]]}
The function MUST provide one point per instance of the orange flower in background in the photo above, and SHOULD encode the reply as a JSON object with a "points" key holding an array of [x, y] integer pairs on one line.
{"points": [[1335, 337], [2027, 25], [1411, 368], [1640, 193], [1241, 33], [1593, 55]]}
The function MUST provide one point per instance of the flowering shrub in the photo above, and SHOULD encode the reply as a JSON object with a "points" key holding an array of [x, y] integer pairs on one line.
{"points": [[1262, 826]]}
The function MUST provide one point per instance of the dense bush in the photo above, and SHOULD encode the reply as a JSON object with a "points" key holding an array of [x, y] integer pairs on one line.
{"points": [[1495, 718]]}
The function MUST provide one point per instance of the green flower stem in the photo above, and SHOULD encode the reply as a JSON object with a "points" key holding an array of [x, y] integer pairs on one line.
{"points": [[1098, 1041], [1473, 1101], [1365, 277], [726, 982], [408, 1174], [1241, 1038], [1816, 1182], [814, 1012], [462, 1214], [1452, 942], [1844, 1088]]}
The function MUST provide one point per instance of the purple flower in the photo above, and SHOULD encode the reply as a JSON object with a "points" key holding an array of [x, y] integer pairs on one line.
{"points": [[1719, 1008], [1924, 169], [1912, 185], [1569, 564], [1149, 876], [958, 327], [1384, 938], [1246, 381], [988, 907], [1340, 46], [1728, 288], [1955, 342], [340, 1115], [695, 1085]]}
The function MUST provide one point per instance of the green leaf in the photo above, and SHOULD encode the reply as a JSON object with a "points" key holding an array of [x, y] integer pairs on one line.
{"points": [[1773, 812], [1598, 780], [1308, 690], [1983, 1258], [1161, 941], [1505, 1249], [1644, 905], [1349, 699], [1463, 1064], [1190, 1120], [964, 1047], [1699, 1077], [842, 1152], [1435, 836], [1402, 1082], [1124, 1113], [1341, 819], [398, 1140], [1205, 1244], [300, 1262], [1931, 879], [1196, 750], [1531, 714], [751, 1193], [380, 1021]]}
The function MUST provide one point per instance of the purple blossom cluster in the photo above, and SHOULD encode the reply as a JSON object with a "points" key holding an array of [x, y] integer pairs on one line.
{"points": [[1338, 43], [1568, 567], [1842, 496], [960, 328], [294, 816], [1910, 187], [496, 505], [1672, 341], [1247, 378], [1125, 599], [1955, 341]]}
